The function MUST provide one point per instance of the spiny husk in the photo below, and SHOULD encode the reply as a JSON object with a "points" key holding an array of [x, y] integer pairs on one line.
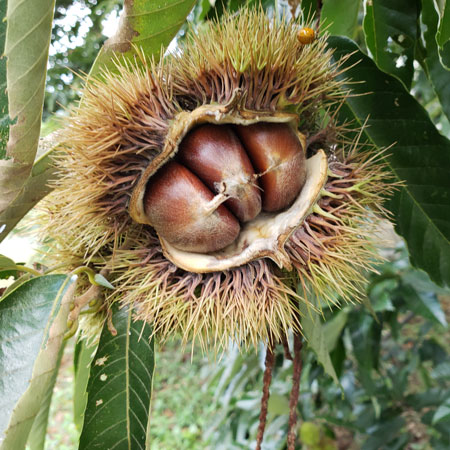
{"points": [[124, 122]]}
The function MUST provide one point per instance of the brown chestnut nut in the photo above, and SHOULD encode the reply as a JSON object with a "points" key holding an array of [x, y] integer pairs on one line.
{"points": [[215, 154], [186, 213], [277, 154]]}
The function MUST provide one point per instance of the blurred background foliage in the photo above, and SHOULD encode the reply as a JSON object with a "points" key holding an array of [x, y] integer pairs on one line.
{"points": [[391, 355]]}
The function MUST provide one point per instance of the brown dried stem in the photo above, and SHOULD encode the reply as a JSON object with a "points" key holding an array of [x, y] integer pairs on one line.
{"points": [[269, 364], [293, 399], [287, 352]]}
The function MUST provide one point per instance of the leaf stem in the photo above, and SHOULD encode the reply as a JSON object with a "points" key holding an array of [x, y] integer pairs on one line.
{"points": [[28, 270]]}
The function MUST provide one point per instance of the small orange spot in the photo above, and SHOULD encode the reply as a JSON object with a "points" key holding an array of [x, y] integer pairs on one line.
{"points": [[306, 35]]}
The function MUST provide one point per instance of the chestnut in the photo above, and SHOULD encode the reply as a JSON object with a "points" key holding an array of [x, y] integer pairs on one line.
{"points": [[215, 154], [184, 211], [278, 156], [222, 177]]}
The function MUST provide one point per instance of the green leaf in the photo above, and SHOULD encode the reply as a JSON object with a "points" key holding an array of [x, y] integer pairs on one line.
{"points": [[309, 8], [421, 157], [102, 281], [84, 354], [36, 438], [119, 387], [334, 327], [438, 75], [148, 25], [443, 34], [35, 188], [383, 433], [4, 117], [33, 320], [390, 27], [340, 16], [29, 24], [6, 263], [315, 335], [380, 294], [423, 304], [365, 335], [442, 371], [442, 413]]}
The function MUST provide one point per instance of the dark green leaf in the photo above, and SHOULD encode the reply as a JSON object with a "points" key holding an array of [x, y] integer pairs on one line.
{"points": [[390, 27], [442, 413], [431, 350], [338, 357], [309, 8], [380, 294], [5, 274], [443, 34], [425, 305], [315, 335], [148, 25], [383, 433], [365, 334], [32, 324], [119, 387], [340, 17], [437, 73], [421, 157], [430, 398], [442, 371]]}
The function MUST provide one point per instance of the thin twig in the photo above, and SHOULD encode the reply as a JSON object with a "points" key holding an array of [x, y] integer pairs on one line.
{"points": [[293, 399], [269, 364]]}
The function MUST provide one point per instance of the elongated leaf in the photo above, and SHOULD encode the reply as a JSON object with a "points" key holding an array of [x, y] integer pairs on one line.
{"points": [[148, 25], [84, 355], [365, 334], [35, 188], [390, 27], [119, 387], [333, 329], [314, 332], [425, 304], [6, 263], [30, 339], [4, 117], [442, 413], [443, 33], [340, 16], [36, 438], [421, 157], [29, 24], [28, 32], [438, 74]]}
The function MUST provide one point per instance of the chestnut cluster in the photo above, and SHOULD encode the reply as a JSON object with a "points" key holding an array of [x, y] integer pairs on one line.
{"points": [[222, 177]]}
